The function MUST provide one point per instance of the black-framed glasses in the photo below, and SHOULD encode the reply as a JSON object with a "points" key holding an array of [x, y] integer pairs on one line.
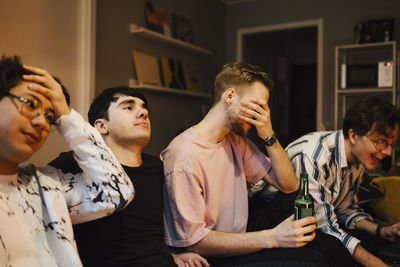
{"points": [[31, 107], [381, 144]]}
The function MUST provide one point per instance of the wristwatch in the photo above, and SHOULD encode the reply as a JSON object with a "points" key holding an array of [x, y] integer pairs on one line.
{"points": [[270, 140]]}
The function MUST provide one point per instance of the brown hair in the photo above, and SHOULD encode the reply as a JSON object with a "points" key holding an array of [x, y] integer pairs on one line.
{"points": [[236, 74]]}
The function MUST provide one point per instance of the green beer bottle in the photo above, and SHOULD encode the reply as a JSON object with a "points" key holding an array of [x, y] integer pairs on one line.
{"points": [[303, 204]]}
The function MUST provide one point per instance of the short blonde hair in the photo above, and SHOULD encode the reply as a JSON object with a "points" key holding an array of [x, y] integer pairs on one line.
{"points": [[237, 74]]}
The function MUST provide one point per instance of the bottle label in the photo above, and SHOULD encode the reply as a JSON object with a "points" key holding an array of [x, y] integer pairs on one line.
{"points": [[300, 213]]}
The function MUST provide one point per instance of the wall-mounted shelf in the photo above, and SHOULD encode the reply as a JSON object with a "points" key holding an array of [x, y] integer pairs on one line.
{"points": [[161, 89], [141, 31], [359, 64], [364, 90]]}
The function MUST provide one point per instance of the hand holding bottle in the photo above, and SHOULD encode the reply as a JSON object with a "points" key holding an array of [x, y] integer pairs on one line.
{"points": [[293, 234]]}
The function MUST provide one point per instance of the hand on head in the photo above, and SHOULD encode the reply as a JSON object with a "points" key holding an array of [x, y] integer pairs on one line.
{"points": [[256, 112], [43, 83]]}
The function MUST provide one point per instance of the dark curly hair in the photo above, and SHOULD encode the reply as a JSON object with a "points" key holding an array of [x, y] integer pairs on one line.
{"points": [[100, 104], [11, 71], [363, 114]]}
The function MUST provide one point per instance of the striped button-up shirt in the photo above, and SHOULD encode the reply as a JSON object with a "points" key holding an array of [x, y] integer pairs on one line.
{"points": [[333, 182]]}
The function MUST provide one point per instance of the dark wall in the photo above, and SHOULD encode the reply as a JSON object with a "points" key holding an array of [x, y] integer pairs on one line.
{"points": [[339, 18], [114, 65]]}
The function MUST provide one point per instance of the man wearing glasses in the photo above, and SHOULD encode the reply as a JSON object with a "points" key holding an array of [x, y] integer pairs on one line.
{"points": [[38, 206], [335, 163]]}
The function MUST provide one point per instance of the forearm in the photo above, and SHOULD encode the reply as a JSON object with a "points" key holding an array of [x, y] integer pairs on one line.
{"points": [[362, 256], [367, 226], [217, 243], [284, 175], [103, 186]]}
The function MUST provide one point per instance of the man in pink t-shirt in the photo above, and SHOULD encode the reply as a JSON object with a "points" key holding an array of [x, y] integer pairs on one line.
{"points": [[206, 169]]}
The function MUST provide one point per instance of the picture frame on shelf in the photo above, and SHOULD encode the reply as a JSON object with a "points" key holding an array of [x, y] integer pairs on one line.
{"points": [[182, 28], [156, 18], [146, 68], [172, 73]]}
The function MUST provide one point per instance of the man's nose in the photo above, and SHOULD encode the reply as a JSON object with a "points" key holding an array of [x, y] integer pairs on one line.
{"points": [[387, 150], [143, 113], [40, 121]]}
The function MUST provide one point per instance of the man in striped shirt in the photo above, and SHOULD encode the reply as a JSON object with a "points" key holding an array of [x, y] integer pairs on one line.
{"points": [[335, 162]]}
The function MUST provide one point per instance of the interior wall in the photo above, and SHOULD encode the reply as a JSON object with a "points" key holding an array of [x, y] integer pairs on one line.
{"points": [[285, 54], [169, 113], [48, 34], [339, 18]]}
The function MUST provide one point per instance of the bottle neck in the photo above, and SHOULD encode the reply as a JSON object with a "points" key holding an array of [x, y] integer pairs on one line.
{"points": [[303, 186]]}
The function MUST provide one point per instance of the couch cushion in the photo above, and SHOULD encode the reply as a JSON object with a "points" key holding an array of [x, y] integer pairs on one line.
{"points": [[387, 209]]}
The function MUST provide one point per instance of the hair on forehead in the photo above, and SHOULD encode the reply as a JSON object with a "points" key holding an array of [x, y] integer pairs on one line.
{"points": [[101, 103], [238, 74], [11, 71], [371, 113]]}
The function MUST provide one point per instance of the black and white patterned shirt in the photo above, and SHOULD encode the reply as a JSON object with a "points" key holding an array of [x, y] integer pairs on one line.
{"points": [[38, 206], [333, 182]]}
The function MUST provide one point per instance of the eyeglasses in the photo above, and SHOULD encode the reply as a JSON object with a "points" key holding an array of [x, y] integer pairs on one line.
{"points": [[381, 144], [31, 108]]}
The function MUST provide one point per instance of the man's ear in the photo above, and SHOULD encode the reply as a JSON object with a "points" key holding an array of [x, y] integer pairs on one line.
{"points": [[229, 95], [353, 137], [101, 126]]}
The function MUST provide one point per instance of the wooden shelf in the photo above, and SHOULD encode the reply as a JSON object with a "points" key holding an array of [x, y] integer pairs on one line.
{"points": [[365, 90], [141, 31], [167, 90]]}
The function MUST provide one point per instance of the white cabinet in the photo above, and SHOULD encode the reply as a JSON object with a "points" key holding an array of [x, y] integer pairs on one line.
{"points": [[364, 70]]}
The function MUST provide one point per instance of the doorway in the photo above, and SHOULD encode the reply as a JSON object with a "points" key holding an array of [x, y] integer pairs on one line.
{"points": [[292, 54]]}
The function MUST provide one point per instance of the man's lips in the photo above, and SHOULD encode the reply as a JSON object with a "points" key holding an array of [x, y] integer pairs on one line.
{"points": [[376, 159], [33, 138], [144, 124]]}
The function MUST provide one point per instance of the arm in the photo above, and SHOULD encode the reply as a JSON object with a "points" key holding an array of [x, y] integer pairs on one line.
{"points": [[257, 113], [103, 187], [188, 224], [390, 233], [288, 234], [283, 176], [367, 259], [321, 181]]}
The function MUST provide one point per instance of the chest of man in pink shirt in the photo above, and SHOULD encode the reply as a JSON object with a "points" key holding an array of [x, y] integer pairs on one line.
{"points": [[206, 185]]}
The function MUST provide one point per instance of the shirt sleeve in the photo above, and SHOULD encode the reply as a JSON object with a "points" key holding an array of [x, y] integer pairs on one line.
{"points": [[102, 187], [327, 219], [349, 212], [184, 207]]}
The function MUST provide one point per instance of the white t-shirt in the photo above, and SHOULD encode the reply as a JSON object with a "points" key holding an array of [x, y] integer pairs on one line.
{"points": [[36, 224]]}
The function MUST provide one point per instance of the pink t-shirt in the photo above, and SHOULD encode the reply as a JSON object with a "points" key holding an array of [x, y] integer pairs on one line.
{"points": [[206, 185]]}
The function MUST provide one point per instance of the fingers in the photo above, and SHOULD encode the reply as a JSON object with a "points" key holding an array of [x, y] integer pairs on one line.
{"points": [[40, 89], [301, 242], [307, 220], [39, 71], [43, 83], [40, 76], [203, 262], [254, 108]]}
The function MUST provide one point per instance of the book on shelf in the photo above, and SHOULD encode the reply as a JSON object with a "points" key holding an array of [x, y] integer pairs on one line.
{"points": [[182, 29], [146, 68], [156, 18], [172, 73], [193, 78]]}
